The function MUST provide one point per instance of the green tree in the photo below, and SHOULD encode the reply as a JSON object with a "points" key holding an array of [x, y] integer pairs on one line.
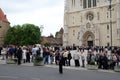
{"points": [[47, 44], [27, 34]]}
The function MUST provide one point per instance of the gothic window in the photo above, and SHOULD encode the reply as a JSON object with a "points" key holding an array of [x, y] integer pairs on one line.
{"points": [[107, 14], [90, 16], [74, 2], [88, 25], [89, 3], [78, 35], [98, 15], [118, 31], [0, 26], [108, 44], [80, 2], [73, 32], [94, 3], [84, 4], [73, 19], [107, 29], [81, 19]]}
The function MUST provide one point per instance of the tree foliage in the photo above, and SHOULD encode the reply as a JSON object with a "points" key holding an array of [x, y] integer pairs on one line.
{"points": [[27, 34]]}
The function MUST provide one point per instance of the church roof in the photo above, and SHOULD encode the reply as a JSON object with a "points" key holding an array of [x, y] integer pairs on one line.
{"points": [[61, 30], [56, 41], [3, 16]]}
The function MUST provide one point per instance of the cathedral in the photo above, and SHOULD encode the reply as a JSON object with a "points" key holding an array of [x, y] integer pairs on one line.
{"points": [[91, 23], [4, 26]]}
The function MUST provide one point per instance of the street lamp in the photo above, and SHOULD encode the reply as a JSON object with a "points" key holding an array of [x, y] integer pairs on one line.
{"points": [[41, 29], [110, 9]]}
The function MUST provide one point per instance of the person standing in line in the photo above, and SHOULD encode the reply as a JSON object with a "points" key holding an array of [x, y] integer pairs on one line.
{"points": [[24, 54], [11, 52], [3, 52], [83, 58], [61, 60], [69, 58], [27, 55], [51, 57], [34, 52], [19, 55], [47, 53], [57, 54], [65, 56], [0, 50], [76, 58]]}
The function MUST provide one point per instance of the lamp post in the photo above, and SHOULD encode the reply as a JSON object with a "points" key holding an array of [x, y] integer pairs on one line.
{"points": [[41, 29], [110, 9]]}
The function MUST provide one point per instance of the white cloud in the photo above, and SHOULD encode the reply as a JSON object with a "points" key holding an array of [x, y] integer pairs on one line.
{"points": [[48, 13]]}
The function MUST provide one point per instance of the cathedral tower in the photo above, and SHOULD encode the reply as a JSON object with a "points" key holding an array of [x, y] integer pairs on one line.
{"points": [[87, 22]]}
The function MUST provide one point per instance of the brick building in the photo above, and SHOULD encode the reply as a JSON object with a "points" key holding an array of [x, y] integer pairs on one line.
{"points": [[4, 26], [54, 41]]}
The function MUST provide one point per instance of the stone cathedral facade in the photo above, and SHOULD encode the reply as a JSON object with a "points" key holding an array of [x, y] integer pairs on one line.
{"points": [[91, 23]]}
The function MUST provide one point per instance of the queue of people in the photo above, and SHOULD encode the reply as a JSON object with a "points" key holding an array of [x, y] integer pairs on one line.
{"points": [[104, 57]]}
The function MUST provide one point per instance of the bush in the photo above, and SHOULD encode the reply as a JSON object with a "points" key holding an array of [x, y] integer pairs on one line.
{"points": [[92, 63], [38, 59]]}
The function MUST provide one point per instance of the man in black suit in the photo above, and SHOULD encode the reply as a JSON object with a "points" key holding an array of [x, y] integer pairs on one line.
{"points": [[61, 60], [0, 50]]}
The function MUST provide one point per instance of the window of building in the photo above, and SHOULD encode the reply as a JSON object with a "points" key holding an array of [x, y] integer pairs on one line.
{"points": [[73, 32], [73, 19], [118, 31], [107, 14], [89, 3], [80, 2], [108, 44], [78, 35], [73, 3], [107, 36], [84, 4], [89, 16], [81, 19], [88, 25], [107, 27], [0, 26], [94, 3], [98, 15]]}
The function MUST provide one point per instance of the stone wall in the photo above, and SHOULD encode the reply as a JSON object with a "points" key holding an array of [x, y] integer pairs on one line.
{"points": [[3, 30]]}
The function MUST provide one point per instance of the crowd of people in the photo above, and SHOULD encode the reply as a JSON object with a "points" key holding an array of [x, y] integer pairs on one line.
{"points": [[104, 57]]}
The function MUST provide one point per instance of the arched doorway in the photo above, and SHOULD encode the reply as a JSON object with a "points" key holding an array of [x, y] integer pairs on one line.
{"points": [[88, 38]]}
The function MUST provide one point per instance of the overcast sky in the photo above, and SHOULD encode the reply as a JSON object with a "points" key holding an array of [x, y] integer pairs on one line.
{"points": [[48, 13]]}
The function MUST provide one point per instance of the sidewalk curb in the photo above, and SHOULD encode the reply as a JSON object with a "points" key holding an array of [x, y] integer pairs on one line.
{"points": [[3, 62]]}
